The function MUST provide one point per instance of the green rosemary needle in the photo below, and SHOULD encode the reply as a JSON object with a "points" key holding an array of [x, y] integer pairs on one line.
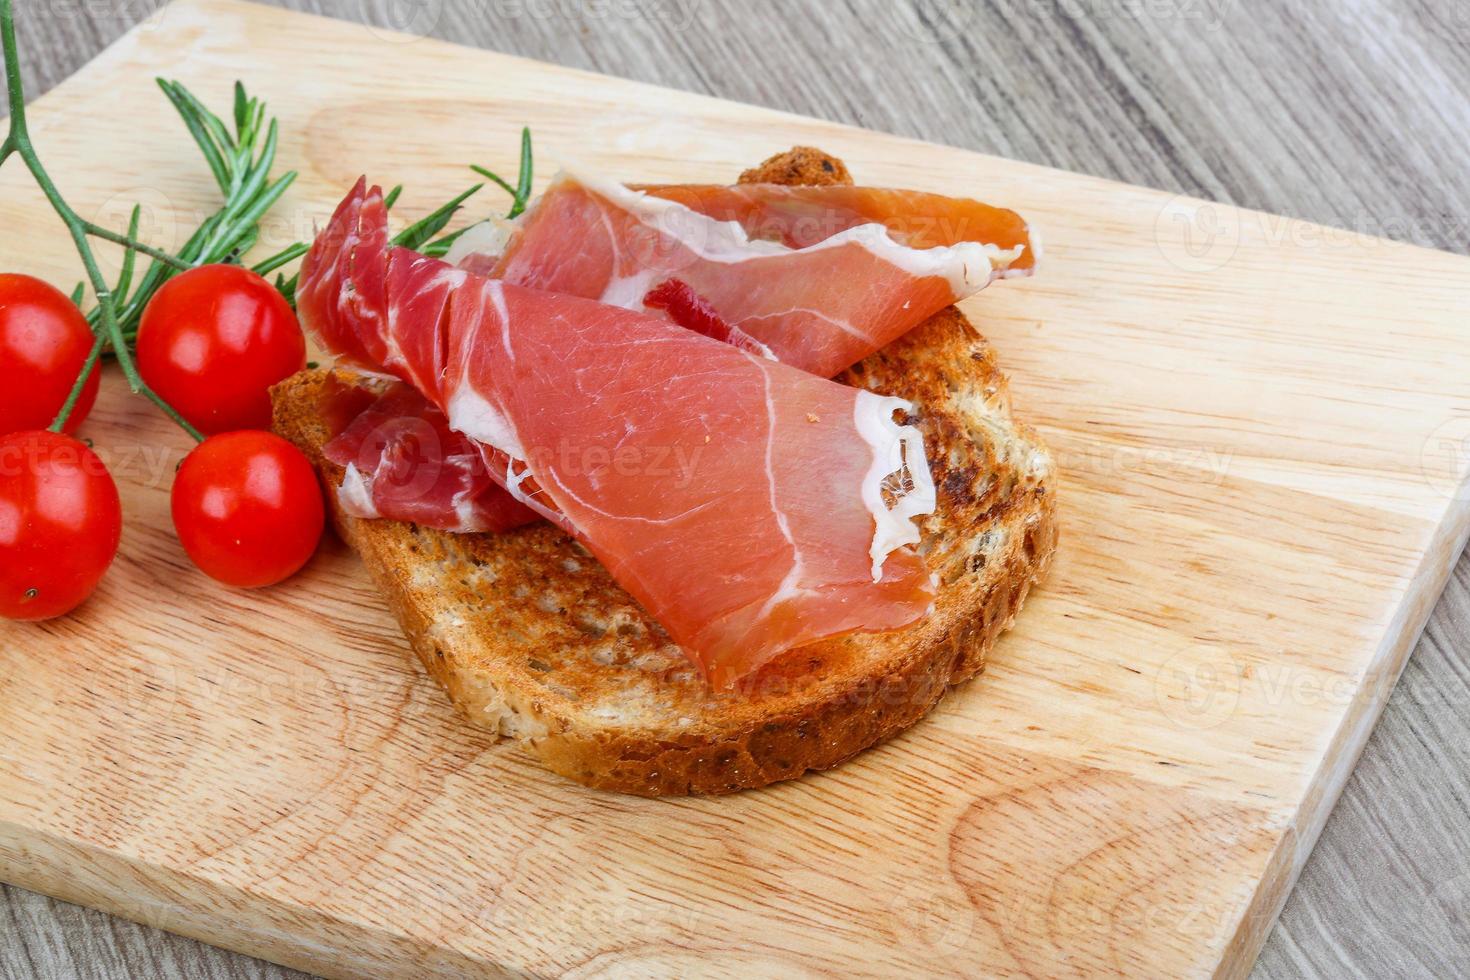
{"points": [[420, 236]]}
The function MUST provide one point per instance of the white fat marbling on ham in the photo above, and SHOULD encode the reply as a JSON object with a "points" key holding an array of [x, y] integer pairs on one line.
{"points": [[480, 243], [820, 301], [355, 496], [967, 266], [730, 495], [900, 467], [471, 413], [402, 461]]}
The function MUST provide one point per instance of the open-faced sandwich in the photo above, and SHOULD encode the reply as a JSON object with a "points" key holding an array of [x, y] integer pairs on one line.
{"points": [[688, 489]]}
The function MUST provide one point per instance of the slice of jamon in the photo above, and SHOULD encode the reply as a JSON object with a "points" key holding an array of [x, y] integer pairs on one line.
{"points": [[341, 305], [749, 506], [403, 462], [802, 216], [823, 276], [348, 312]]}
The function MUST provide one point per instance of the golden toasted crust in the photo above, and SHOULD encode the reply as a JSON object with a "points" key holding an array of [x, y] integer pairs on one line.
{"points": [[533, 639], [799, 166]]}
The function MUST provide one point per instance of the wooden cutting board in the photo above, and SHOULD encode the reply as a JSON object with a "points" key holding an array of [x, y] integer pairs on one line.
{"points": [[1263, 427]]}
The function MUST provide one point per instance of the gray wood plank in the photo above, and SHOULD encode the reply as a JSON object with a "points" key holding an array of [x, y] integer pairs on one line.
{"points": [[1348, 114]]}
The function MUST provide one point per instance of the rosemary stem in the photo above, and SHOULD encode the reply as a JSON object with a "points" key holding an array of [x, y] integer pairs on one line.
{"points": [[501, 181], [13, 89], [283, 257], [130, 370], [20, 143], [106, 234], [75, 394]]}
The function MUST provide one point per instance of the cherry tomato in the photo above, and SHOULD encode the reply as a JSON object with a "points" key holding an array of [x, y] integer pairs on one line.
{"points": [[60, 521], [44, 341], [248, 508], [213, 340]]}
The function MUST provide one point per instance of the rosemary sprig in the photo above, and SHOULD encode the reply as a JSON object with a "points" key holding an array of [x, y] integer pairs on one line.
{"points": [[521, 193], [107, 328], [421, 233], [284, 257], [241, 163], [420, 236]]}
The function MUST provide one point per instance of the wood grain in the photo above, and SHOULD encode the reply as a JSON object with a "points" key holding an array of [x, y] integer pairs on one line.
{"points": [[1151, 98]]}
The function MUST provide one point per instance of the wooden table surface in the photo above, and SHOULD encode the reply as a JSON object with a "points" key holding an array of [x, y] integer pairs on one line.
{"points": [[1348, 114]]}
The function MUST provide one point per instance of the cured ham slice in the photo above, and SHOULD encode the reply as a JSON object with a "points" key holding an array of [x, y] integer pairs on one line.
{"points": [[822, 276], [403, 462], [382, 458], [749, 506], [802, 216]]}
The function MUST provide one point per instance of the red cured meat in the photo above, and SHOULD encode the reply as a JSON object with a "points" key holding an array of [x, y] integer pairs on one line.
{"points": [[345, 311], [348, 312], [823, 276], [690, 310], [802, 216], [741, 501], [403, 462]]}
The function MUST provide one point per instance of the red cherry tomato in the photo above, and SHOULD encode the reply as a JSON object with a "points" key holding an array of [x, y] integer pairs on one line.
{"points": [[213, 340], [44, 341], [60, 521], [248, 508]]}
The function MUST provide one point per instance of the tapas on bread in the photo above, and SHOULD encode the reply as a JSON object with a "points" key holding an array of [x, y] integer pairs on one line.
{"points": [[690, 488], [796, 497], [663, 379]]}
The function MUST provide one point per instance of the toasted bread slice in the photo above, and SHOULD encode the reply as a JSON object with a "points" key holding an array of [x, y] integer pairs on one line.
{"points": [[533, 639]]}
